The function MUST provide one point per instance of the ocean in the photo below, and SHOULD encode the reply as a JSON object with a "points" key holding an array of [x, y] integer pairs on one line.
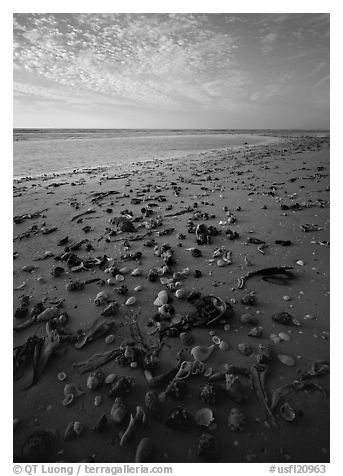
{"points": [[44, 151]]}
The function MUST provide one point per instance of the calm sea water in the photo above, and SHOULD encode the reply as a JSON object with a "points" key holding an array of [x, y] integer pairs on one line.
{"points": [[42, 151]]}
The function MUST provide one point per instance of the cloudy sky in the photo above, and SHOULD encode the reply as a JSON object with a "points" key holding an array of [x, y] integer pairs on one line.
{"points": [[171, 70]]}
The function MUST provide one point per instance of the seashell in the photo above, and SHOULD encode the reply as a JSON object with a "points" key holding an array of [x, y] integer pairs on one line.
{"points": [[138, 288], [165, 280], [244, 349], [118, 411], [248, 319], [286, 360], [68, 399], [300, 262], [144, 450], [98, 400], [204, 417], [161, 299], [201, 352], [286, 298], [95, 380], [208, 448], [216, 340], [256, 331], [208, 372], [224, 346], [61, 376], [78, 428], [237, 420], [221, 263], [181, 293], [287, 412], [227, 327], [275, 338], [48, 314], [109, 339], [111, 378], [136, 272], [124, 270], [119, 277], [101, 299], [179, 419], [71, 388], [284, 336], [131, 301]]}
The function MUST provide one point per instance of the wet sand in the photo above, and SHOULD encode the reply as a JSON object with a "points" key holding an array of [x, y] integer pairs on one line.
{"points": [[255, 184]]}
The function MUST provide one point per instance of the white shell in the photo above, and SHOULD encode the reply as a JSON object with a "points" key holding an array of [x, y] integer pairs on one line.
{"points": [[136, 272], [78, 428], [109, 339], [138, 288], [201, 352], [286, 360], [204, 417], [130, 301], [110, 378], [119, 277], [284, 336], [224, 346], [98, 400]]}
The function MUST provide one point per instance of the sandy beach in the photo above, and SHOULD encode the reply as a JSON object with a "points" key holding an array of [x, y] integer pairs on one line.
{"points": [[261, 207]]}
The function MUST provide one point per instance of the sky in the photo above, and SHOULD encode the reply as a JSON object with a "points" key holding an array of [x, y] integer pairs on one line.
{"points": [[117, 70]]}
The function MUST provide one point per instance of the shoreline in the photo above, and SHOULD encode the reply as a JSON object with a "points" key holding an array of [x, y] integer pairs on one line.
{"points": [[273, 193]]}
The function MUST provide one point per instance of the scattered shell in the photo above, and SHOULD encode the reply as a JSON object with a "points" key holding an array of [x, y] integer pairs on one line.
{"points": [[110, 378], [287, 412], [131, 301], [201, 352], [224, 346], [286, 360], [138, 288], [166, 310], [204, 417], [227, 327], [48, 314], [136, 272], [61, 376], [68, 399], [300, 262], [181, 293], [119, 277], [118, 411], [95, 380], [161, 299], [124, 270], [216, 340], [78, 428], [286, 298], [208, 372], [221, 263], [284, 336], [69, 433], [256, 331], [275, 338], [72, 389], [109, 339], [101, 299], [237, 420], [98, 400]]}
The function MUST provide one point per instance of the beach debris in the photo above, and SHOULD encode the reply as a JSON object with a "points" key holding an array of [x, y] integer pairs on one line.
{"points": [[95, 380], [179, 419], [208, 448], [258, 382], [118, 411], [202, 352], [287, 390], [237, 420], [286, 360], [144, 450], [277, 275], [287, 412], [48, 314], [99, 327], [204, 417], [135, 421], [101, 299], [130, 301], [71, 391], [38, 447], [284, 318]]}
